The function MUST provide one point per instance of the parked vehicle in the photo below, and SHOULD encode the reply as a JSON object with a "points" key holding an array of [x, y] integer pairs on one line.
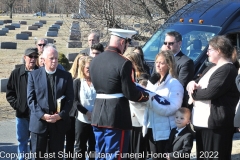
{"points": [[198, 22], [39, 14]]}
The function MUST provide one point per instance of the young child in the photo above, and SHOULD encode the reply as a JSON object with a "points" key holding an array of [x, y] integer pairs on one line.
{"points": [[180, 141]]}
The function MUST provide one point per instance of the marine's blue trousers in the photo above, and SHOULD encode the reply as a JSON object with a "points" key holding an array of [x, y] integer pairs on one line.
{"points": [[111, 144]]}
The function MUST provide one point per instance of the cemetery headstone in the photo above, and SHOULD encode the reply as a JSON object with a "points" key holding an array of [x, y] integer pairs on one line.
{"points": [[74, 44], [8, 45], [71, 56], [43, 21], [2, 33], [32, 27], [3, 84], [22, 36], [10, 27], [27, 32], [51, 34], [17, 25]]}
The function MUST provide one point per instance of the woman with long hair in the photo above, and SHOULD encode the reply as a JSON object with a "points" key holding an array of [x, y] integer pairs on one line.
{"points": [[159, 118], [84, 97]]}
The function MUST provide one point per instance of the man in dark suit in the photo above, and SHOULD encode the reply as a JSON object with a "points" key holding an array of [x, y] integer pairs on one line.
{"points": [[184, 66], [93, 38], [46, 85], [180, 141]]}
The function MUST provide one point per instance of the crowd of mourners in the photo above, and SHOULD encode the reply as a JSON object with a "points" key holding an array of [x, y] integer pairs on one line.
{"points": [[111, 106]]}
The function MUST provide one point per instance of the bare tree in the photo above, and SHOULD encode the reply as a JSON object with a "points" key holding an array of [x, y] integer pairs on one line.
{"points": [[10, 4], [148, 14], [40, 6]]}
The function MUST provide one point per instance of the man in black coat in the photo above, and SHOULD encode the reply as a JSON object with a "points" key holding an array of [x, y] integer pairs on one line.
{"points": [[46, 86], [111, 76], [17, 97], [184, 66]]}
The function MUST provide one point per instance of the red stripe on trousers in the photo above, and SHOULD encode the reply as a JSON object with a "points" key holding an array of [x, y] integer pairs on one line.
{"points": [[121, 144]]}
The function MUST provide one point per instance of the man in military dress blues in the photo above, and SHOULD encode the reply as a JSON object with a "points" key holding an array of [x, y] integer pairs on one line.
{"points": [[111, 76]]}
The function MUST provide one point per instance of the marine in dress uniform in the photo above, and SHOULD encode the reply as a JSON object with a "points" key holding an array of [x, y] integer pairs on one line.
{"points": [[111, 76]]}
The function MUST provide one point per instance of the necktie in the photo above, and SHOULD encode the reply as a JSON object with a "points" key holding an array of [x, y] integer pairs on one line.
{"points": [[176, 133]]}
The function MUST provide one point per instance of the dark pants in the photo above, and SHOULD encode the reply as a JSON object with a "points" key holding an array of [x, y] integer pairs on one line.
{"points": [[112, 143], [214, 143], [157, 147], [70, 139], [84, 135], [53, 138], [138, 143]]}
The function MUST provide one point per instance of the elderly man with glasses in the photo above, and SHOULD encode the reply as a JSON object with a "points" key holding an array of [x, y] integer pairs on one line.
{"points": [[17, 97], [41, 43]]}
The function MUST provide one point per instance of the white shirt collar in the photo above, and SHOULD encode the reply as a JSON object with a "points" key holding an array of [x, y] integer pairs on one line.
{"points": [[176, 53], [50, 72], [179, 130]]}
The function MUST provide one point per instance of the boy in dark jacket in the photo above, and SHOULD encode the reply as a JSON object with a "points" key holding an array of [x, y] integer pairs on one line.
{"points": [[180, 142]]}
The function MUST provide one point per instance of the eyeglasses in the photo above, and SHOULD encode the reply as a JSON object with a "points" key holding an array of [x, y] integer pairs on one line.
{"points": [[168, 43], [42, 45], [30, 56], [210, 49]]}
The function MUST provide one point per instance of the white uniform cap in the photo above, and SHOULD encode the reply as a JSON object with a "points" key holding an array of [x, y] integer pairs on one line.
{"points": [[122, 33]]}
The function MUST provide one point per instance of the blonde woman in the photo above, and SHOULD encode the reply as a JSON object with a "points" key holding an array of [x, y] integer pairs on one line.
{"points": [[70, 135], [84, 97], [159, 119], [75, 65]]}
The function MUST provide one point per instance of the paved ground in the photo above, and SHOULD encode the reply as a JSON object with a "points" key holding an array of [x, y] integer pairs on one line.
{"points": [[8, 142]]}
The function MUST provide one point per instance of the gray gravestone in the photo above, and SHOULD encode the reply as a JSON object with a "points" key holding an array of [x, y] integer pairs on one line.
{"points": [[51, 34], [8, 45], [1, 22], [2, 33], [75, 37], [17, 25], [22, 36], [38, 23], [74, 44], [5, 29], [71, 56], [27, 32], [23, 22], [55, 25], [53, 29], [59, 22], [10, 27], [50, 40], [32, 27], [75, 32], [43, 21], [3, 84], [7, 21]]}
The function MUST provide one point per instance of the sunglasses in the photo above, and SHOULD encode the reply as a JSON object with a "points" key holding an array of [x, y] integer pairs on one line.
{"points": [[30, 56], [42, 45], [168, 43]]}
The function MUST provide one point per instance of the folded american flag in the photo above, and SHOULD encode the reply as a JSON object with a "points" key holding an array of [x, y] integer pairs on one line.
{"points": [[157, 97]]}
